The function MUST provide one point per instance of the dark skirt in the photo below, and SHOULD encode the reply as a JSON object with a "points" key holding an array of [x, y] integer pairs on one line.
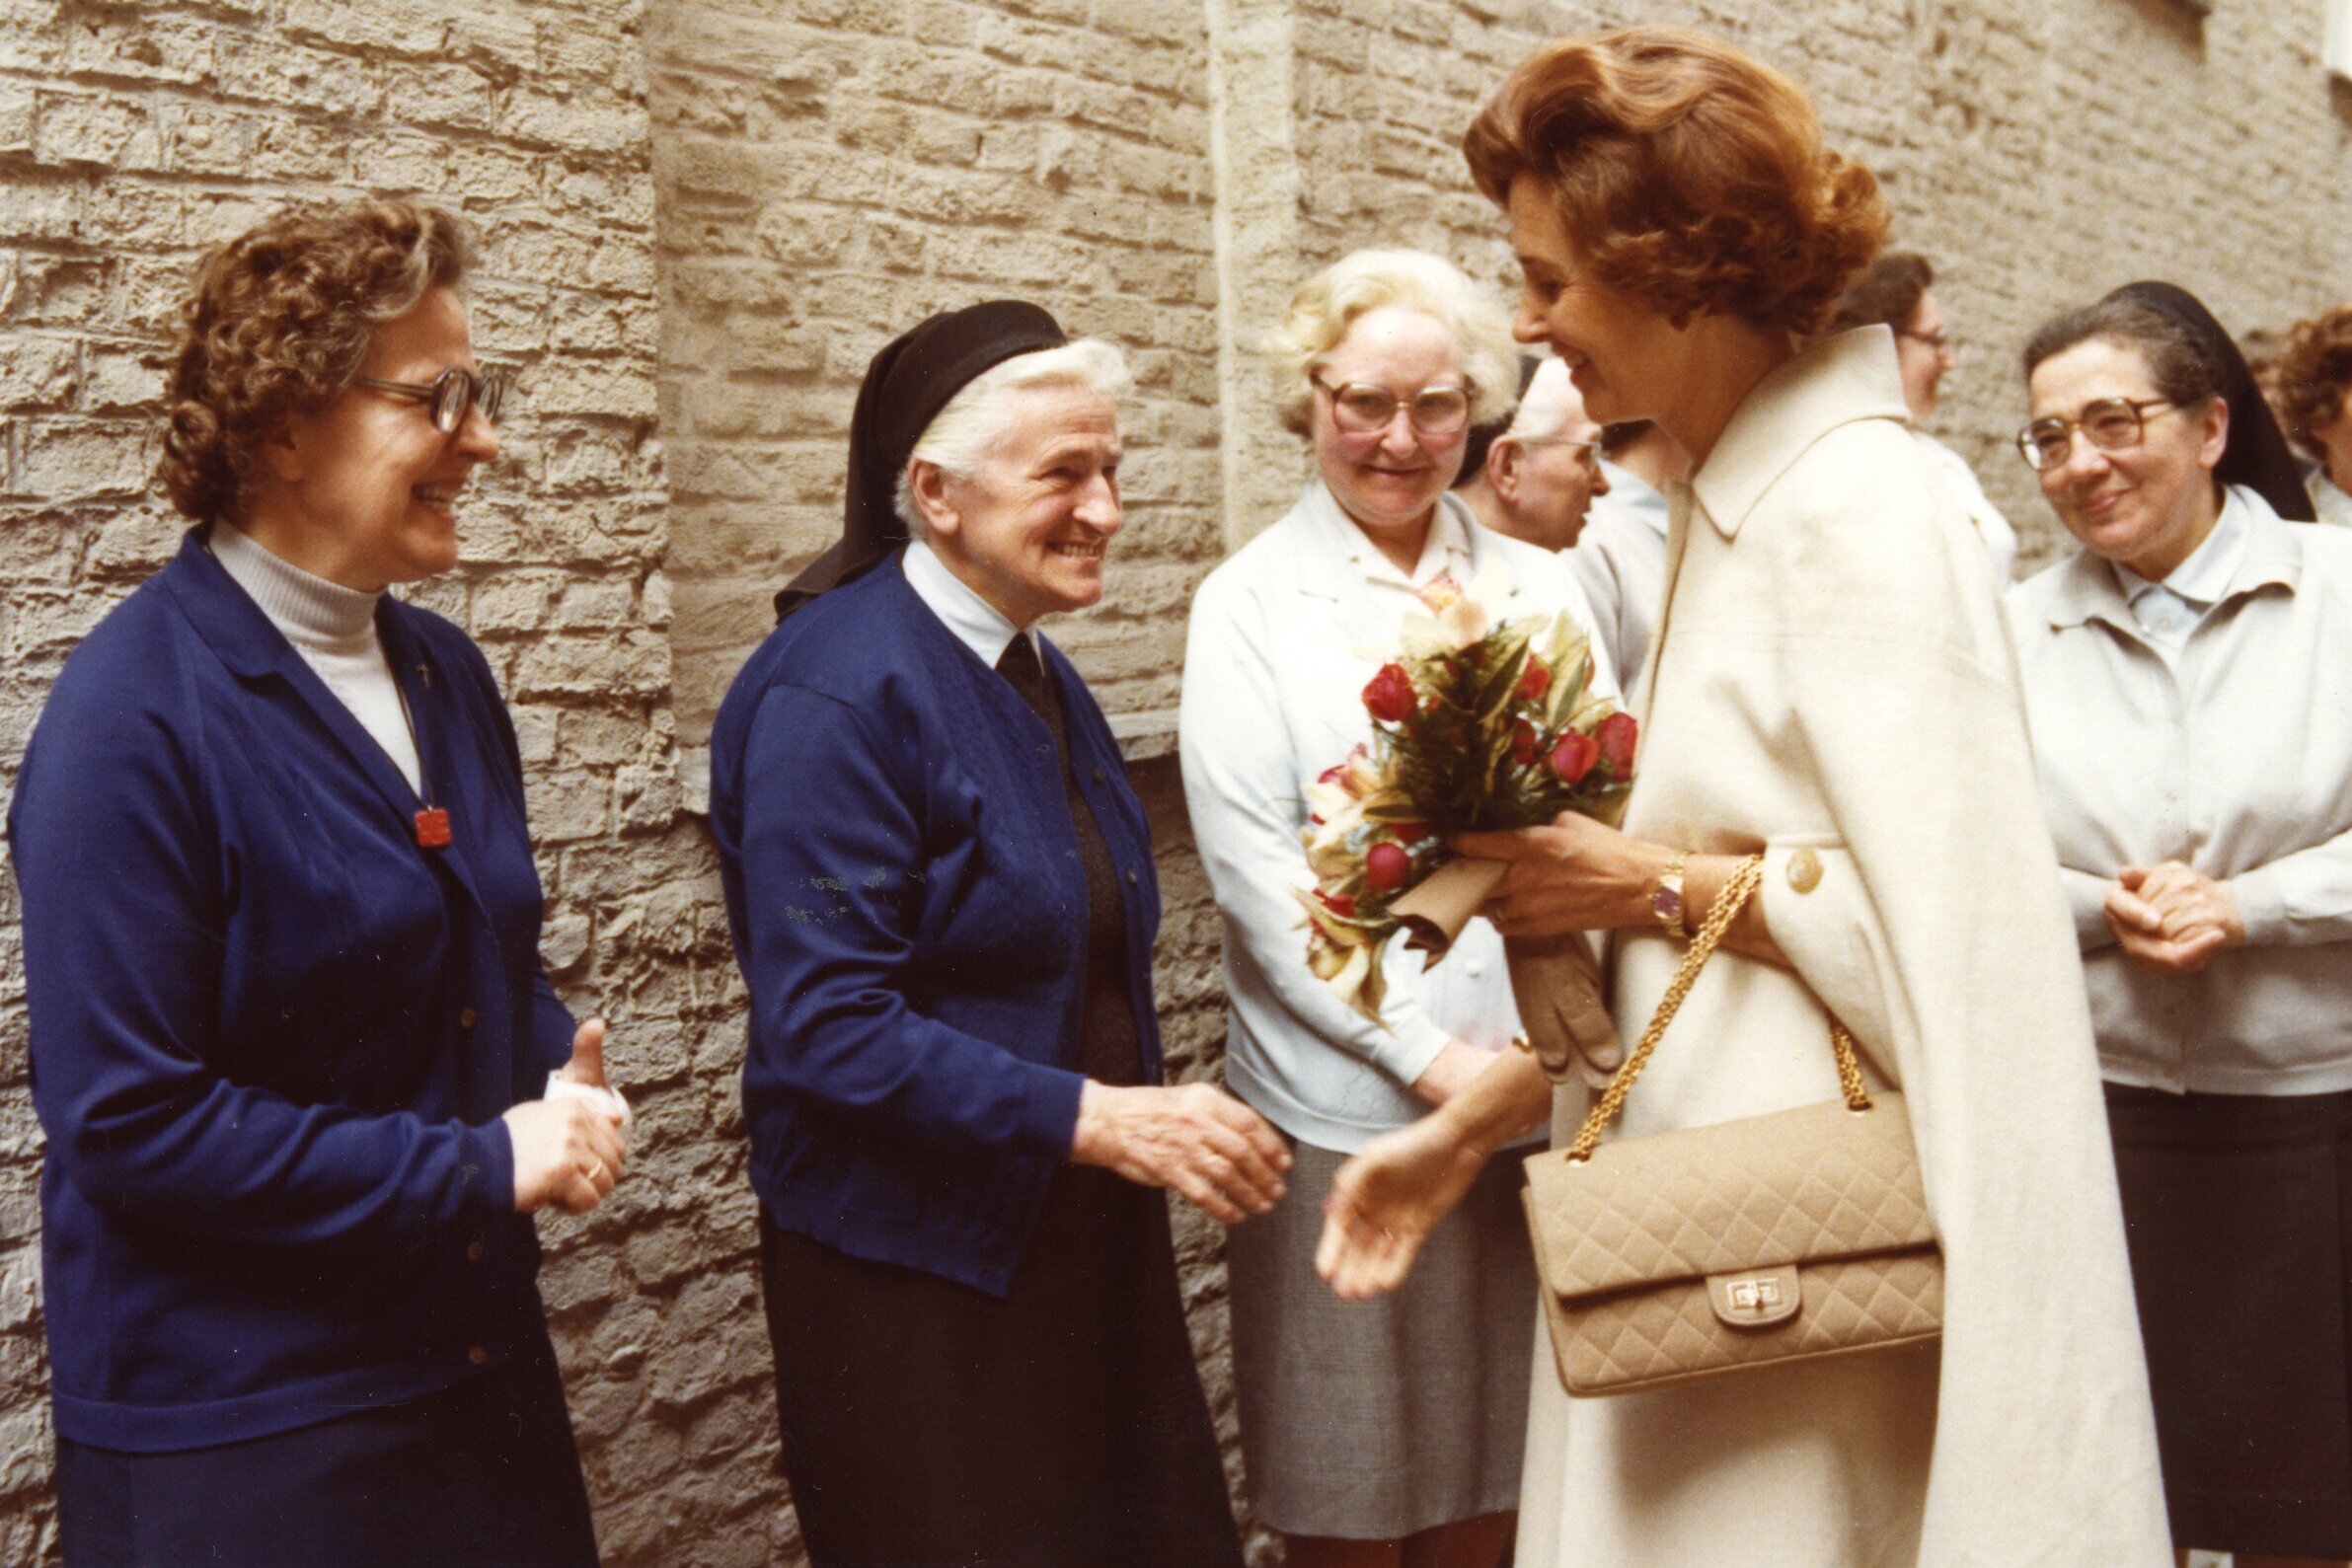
{"points": [[927, 1422], [479, 1475], [2238, 1213]]}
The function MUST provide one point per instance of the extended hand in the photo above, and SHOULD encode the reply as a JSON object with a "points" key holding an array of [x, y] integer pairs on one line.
{"points": [[1213, 1149], [1385, 1202], [569, 1153]]}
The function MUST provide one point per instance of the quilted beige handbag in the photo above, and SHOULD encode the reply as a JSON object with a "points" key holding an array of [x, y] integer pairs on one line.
{"points": [[1773, 1238]]}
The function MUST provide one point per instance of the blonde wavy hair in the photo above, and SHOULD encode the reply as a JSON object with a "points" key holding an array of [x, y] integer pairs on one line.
{"points": [[279, 323], [1328, 303]]}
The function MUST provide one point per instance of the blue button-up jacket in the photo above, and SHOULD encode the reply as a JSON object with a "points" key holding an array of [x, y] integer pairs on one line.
{"points": [[908, 906], [271, 1035]]}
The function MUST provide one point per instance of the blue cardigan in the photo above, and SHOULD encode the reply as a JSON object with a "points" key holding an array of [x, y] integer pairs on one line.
{"points": [[270, 1035], [908, 905]]}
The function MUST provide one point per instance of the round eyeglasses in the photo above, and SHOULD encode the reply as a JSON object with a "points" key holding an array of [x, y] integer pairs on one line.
{"points": [[1360, 408], [450, 394], [2110, 423]]}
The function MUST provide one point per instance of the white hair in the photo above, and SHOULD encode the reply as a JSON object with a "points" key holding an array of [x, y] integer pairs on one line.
{"points": [[981, 416], [1549, 405], [1328, 305]]}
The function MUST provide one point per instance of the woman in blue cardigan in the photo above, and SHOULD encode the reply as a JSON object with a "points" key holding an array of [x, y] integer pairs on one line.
{"points": [[941, 897], [291, 1044]]}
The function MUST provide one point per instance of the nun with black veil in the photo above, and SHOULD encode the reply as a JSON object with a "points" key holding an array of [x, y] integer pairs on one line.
{"points": [[2188, 685], [941, 896]]}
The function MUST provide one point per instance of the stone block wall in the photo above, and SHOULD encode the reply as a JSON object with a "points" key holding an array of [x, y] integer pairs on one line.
{"points": [[701, 217], [831, 173]]}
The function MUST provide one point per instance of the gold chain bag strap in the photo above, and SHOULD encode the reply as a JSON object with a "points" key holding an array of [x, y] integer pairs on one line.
{"points": [[1773, 1238]]}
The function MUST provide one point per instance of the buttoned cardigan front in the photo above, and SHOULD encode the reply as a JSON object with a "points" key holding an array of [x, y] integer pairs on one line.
{"points": [[272, 1035], [909, 908]]}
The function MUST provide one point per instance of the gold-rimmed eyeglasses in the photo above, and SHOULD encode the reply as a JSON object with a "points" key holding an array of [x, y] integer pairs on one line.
{"points": [[2110, 424], [1359, 407], [449, 394]]}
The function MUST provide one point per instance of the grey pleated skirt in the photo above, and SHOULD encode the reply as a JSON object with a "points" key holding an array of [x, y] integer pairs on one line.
{"points": [[1371, 1420]]}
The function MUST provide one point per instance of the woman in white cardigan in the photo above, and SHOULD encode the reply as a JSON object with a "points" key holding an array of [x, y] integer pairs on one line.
{"points": [[1830, 689], [2189, 684], [1391, 1434]]}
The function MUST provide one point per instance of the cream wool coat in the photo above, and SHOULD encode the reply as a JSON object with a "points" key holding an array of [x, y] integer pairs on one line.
{"points": [[1831, 675]]}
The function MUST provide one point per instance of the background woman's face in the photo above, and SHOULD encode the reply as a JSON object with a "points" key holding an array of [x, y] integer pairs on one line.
{"points": [[1389, 478], [1922, 356], [2146, 505], [371, 484]]}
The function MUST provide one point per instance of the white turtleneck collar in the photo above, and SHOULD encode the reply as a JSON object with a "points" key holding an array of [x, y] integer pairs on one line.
{"points": [[334, 628]]}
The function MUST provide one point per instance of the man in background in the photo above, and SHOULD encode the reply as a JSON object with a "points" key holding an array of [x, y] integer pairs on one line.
{"points": [[1539, 476]]}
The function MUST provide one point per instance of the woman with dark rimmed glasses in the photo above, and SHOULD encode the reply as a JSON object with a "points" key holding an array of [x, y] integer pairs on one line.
{"points": [[303, 1080], [2189, 683]]}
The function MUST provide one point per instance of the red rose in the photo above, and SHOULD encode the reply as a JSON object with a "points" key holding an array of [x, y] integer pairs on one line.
{"points": [[1522, 740], [1409, 832], [1535, 680], [1343, 905], [1617, 735], [1389, 696], [1384, 865], [1574, 757]]}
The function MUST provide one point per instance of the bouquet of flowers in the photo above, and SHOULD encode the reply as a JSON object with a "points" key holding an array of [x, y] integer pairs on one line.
{"points": [[1476, 726]]}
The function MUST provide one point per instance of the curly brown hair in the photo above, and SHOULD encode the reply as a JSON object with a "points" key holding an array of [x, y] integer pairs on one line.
{"points": [[2314, 374], [1690, 175], [279, 323]]}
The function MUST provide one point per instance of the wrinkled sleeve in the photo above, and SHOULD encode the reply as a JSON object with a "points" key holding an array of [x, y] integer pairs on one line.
{"points": [[2298, 900], [125, 924], [552, 1027], [832, 874], [1241, 786], [2086, 906]]}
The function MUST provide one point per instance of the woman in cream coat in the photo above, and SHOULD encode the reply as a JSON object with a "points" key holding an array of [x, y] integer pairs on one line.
{"points": [[1830, 689]]}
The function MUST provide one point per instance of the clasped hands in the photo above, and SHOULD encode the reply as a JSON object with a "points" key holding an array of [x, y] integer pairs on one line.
{"points": [[569, 1151], [2172, 917]]}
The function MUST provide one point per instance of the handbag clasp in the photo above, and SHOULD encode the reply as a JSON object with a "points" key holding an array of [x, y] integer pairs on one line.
{"points": [[1755, 1298]]}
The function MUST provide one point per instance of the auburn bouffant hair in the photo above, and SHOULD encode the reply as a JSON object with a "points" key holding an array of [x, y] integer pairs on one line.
{"points": [[279, 323], [2314, 374], [1689, 174]]}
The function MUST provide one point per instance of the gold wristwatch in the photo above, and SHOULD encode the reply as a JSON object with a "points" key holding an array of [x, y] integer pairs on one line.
{"points": [[1666, 901]]}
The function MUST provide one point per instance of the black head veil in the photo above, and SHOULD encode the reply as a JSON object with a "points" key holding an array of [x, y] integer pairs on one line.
{"points": [[2257, 455], [906, 386]]}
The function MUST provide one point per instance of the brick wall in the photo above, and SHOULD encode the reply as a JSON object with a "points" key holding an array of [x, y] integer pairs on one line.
{"points": [[702, 216]]}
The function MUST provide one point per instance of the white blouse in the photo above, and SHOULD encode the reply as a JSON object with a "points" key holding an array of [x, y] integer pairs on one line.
{"points": [[1283, 637]]}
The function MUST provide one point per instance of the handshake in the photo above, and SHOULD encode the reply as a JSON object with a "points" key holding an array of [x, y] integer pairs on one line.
{"points": [[2172, 917]]}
